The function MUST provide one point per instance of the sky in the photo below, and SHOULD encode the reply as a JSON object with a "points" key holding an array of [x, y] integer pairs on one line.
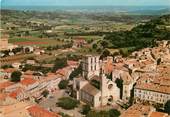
{"points": [[86, 2]]}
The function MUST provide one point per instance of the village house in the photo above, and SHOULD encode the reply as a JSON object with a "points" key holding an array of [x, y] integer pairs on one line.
{"points": [[121, 73], [30, 62], [38, 51], [18, 94], [6, 100], [65, 72], [158, 114], [16, 65], [29, 83], [154, 90], [12, 87], [17, 109], [79, 42], [37, 111], [5, 85], [6, 73], [138, 110], [35, 85], [53, 81]]}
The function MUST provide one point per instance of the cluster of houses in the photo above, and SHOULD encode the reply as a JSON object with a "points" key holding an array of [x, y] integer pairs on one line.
{"points": [[10, 107], [139, 110], [144, 76], [29, 89]]}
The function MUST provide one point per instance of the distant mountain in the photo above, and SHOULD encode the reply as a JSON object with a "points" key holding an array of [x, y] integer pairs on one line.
{"points": [[116, 9], [151, 12]]}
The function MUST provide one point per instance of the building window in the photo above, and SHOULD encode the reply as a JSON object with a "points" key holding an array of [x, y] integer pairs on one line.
{"points": [[100, 98], [110, 86], [125, 92]]}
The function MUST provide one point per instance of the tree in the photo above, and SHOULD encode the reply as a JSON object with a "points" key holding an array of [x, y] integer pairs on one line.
{"points": [[45, 93], [104, 44], [64, 115], [16, 76], [89, 41], [59, 63], [98, 114], [99, 50], [6, 52], [114, 113], [94, 46], [16, 50], [76, 72], [63, 84], [158, 61], [109, 76], [67, 103], [124, 52], [115, 54], [119, 83], [27, 67], [27, 33], [7, 66], [105, 54], [86, 109], [167, 107], [109, 113]]}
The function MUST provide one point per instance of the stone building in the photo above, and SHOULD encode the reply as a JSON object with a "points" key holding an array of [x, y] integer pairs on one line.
{"points": [[94, 88], [91, 66], [153, 90]]}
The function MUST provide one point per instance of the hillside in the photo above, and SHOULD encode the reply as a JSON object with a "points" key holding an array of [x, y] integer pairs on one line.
{"points": [[143, 35]]}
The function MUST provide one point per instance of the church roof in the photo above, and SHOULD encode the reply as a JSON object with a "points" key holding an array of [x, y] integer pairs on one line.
{"points": [[90, 89]]}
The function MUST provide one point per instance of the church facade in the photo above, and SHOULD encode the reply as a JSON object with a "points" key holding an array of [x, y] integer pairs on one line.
{"points": [[93, 87]]}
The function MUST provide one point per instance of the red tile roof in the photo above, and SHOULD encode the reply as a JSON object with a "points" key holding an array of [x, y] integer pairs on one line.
{"points": [[5, 84], [37, 111], [15, 93], [27, 81], [63, 71], [158, 114]]}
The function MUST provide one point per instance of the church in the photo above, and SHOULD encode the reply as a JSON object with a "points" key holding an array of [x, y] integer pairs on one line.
{"points": [[94, 87]]}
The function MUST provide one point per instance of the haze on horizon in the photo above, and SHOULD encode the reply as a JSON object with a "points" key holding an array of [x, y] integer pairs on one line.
{"points": [[85, 2]]}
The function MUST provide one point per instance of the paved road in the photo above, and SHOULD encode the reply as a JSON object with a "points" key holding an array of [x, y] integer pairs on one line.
{"points": [[50, 103]]}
